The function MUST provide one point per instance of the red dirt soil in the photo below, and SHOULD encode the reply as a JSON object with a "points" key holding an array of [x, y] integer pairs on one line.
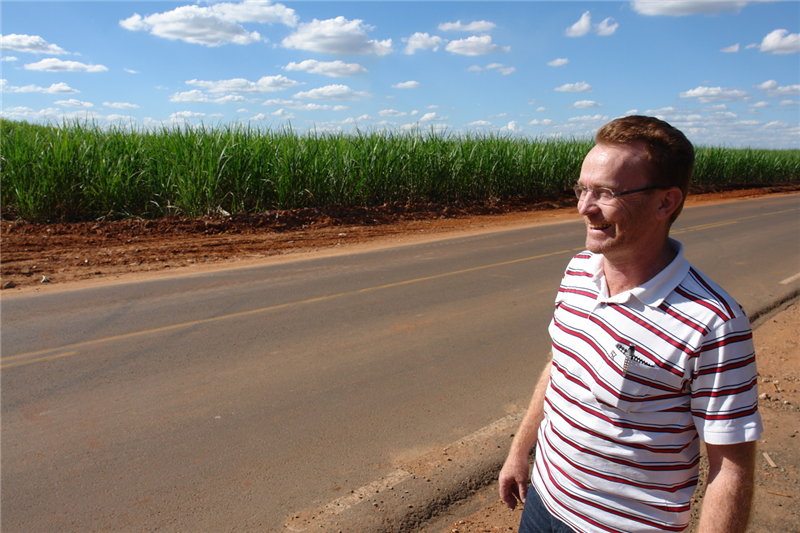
{"points": [[38, 257]]}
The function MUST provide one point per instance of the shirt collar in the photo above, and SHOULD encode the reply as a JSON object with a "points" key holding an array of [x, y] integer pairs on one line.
{"points": [[651, 293]]}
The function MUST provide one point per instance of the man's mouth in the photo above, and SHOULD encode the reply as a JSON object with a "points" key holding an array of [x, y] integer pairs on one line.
{"points": [[599, 227]]}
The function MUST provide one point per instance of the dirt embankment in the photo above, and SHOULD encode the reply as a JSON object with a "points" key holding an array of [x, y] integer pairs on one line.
{"points": [[43, 256]]}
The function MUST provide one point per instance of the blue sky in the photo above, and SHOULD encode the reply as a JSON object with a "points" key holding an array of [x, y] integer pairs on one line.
{"points": [[725, 72]]}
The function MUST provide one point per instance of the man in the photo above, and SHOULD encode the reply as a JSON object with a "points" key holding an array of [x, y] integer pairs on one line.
{"points": [[649, 358]]}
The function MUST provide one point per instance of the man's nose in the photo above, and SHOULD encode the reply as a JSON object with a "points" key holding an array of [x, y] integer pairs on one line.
{"points": [[587, 204]]}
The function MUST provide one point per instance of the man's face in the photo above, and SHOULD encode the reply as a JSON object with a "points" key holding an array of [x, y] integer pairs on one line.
{"points": [[623, 227]]}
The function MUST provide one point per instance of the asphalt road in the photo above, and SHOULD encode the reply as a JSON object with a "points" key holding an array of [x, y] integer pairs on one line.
{"points": [[229, 401]]}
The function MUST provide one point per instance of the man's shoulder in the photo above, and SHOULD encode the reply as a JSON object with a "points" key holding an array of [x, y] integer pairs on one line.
{"points": [[703, 296]]}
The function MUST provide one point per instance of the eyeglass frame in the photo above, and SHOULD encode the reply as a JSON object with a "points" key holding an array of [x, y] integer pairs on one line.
{"points": [[581, 189]]}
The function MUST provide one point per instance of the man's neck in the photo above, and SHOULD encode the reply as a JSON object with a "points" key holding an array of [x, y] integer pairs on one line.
{"points": [[626, 272]]}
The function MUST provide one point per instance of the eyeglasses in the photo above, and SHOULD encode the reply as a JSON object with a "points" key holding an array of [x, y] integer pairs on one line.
{"points": [[604, 195]]}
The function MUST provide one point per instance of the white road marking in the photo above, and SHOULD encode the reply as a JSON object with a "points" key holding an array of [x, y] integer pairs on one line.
{"points": [[791, 279]]}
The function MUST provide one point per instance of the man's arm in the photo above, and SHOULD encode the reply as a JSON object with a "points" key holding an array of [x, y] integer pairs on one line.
{"points": [[514, 477], [726, 505]]}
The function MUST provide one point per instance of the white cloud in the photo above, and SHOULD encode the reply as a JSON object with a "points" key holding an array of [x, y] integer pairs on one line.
{"points": [[266, 84], [606, 27], [679, 8], [332, 69], [760, 105], [474, 68], [304, 106], [28, 43], [392, 113], [120, 105], [716, 94], [407, 85], [72, 102], [477, 26], [56, 88], [585, 104], [479, 124], [589, 118], [56, 65], [501, 68], [421, 41], [475, 46], [8, 59], [331, 92], [213, 25], [337, 36], [560, 62], [129, 71], [788, 102], [581, 87], [731, 49], [580, 28], [512, 127], [774, 91], [186, 115], [431, 117], [544, 122], [194, 96], [781, 42]]}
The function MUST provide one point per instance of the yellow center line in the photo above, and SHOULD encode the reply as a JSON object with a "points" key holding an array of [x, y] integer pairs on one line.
{"points": [[245, 313], [29, 361]]}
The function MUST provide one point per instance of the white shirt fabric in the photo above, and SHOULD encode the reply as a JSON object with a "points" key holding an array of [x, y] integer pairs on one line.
{"points": [[637, 381]]}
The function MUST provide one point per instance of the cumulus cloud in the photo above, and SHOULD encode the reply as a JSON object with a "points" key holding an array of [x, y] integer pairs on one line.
{"points": [[421, 41], [431, 117], [477, 26], [501, 68], [584, 26], [392, 113], [305, 106], [72, 102], [337, 36], [560, 62], [407, 85], [774, 91], [479, 124], [716, 94], [332, 69], [543, 122], [266, 84], [475, 46], [28, 43], [580, 28], [585, 104], [56, 65], [589, 119], [331, 92], [120, 105], [56, 88], [679, 8], [731, 49], [213, 25], [781, 42], [581, 87], [606, 28]]}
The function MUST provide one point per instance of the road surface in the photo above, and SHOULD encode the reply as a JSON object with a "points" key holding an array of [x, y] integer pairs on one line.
{"points": [[229, 401]]}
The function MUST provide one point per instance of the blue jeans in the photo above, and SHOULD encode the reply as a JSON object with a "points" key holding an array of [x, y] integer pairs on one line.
{"points": [[537, 519]]}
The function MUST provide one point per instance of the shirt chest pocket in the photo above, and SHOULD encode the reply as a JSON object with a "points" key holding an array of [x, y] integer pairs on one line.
{"points": [[623, 380]]}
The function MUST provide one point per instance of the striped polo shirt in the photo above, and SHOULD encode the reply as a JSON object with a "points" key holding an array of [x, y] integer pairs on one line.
{"points": [[637, 381]]}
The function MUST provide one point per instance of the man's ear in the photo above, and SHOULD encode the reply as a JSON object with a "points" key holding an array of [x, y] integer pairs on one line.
{"points": [[670, 200]]}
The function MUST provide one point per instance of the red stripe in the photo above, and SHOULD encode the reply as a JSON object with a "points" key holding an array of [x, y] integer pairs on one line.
{"points": [[674, 314], [691, 482], [696, 275], [698, 301]]}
